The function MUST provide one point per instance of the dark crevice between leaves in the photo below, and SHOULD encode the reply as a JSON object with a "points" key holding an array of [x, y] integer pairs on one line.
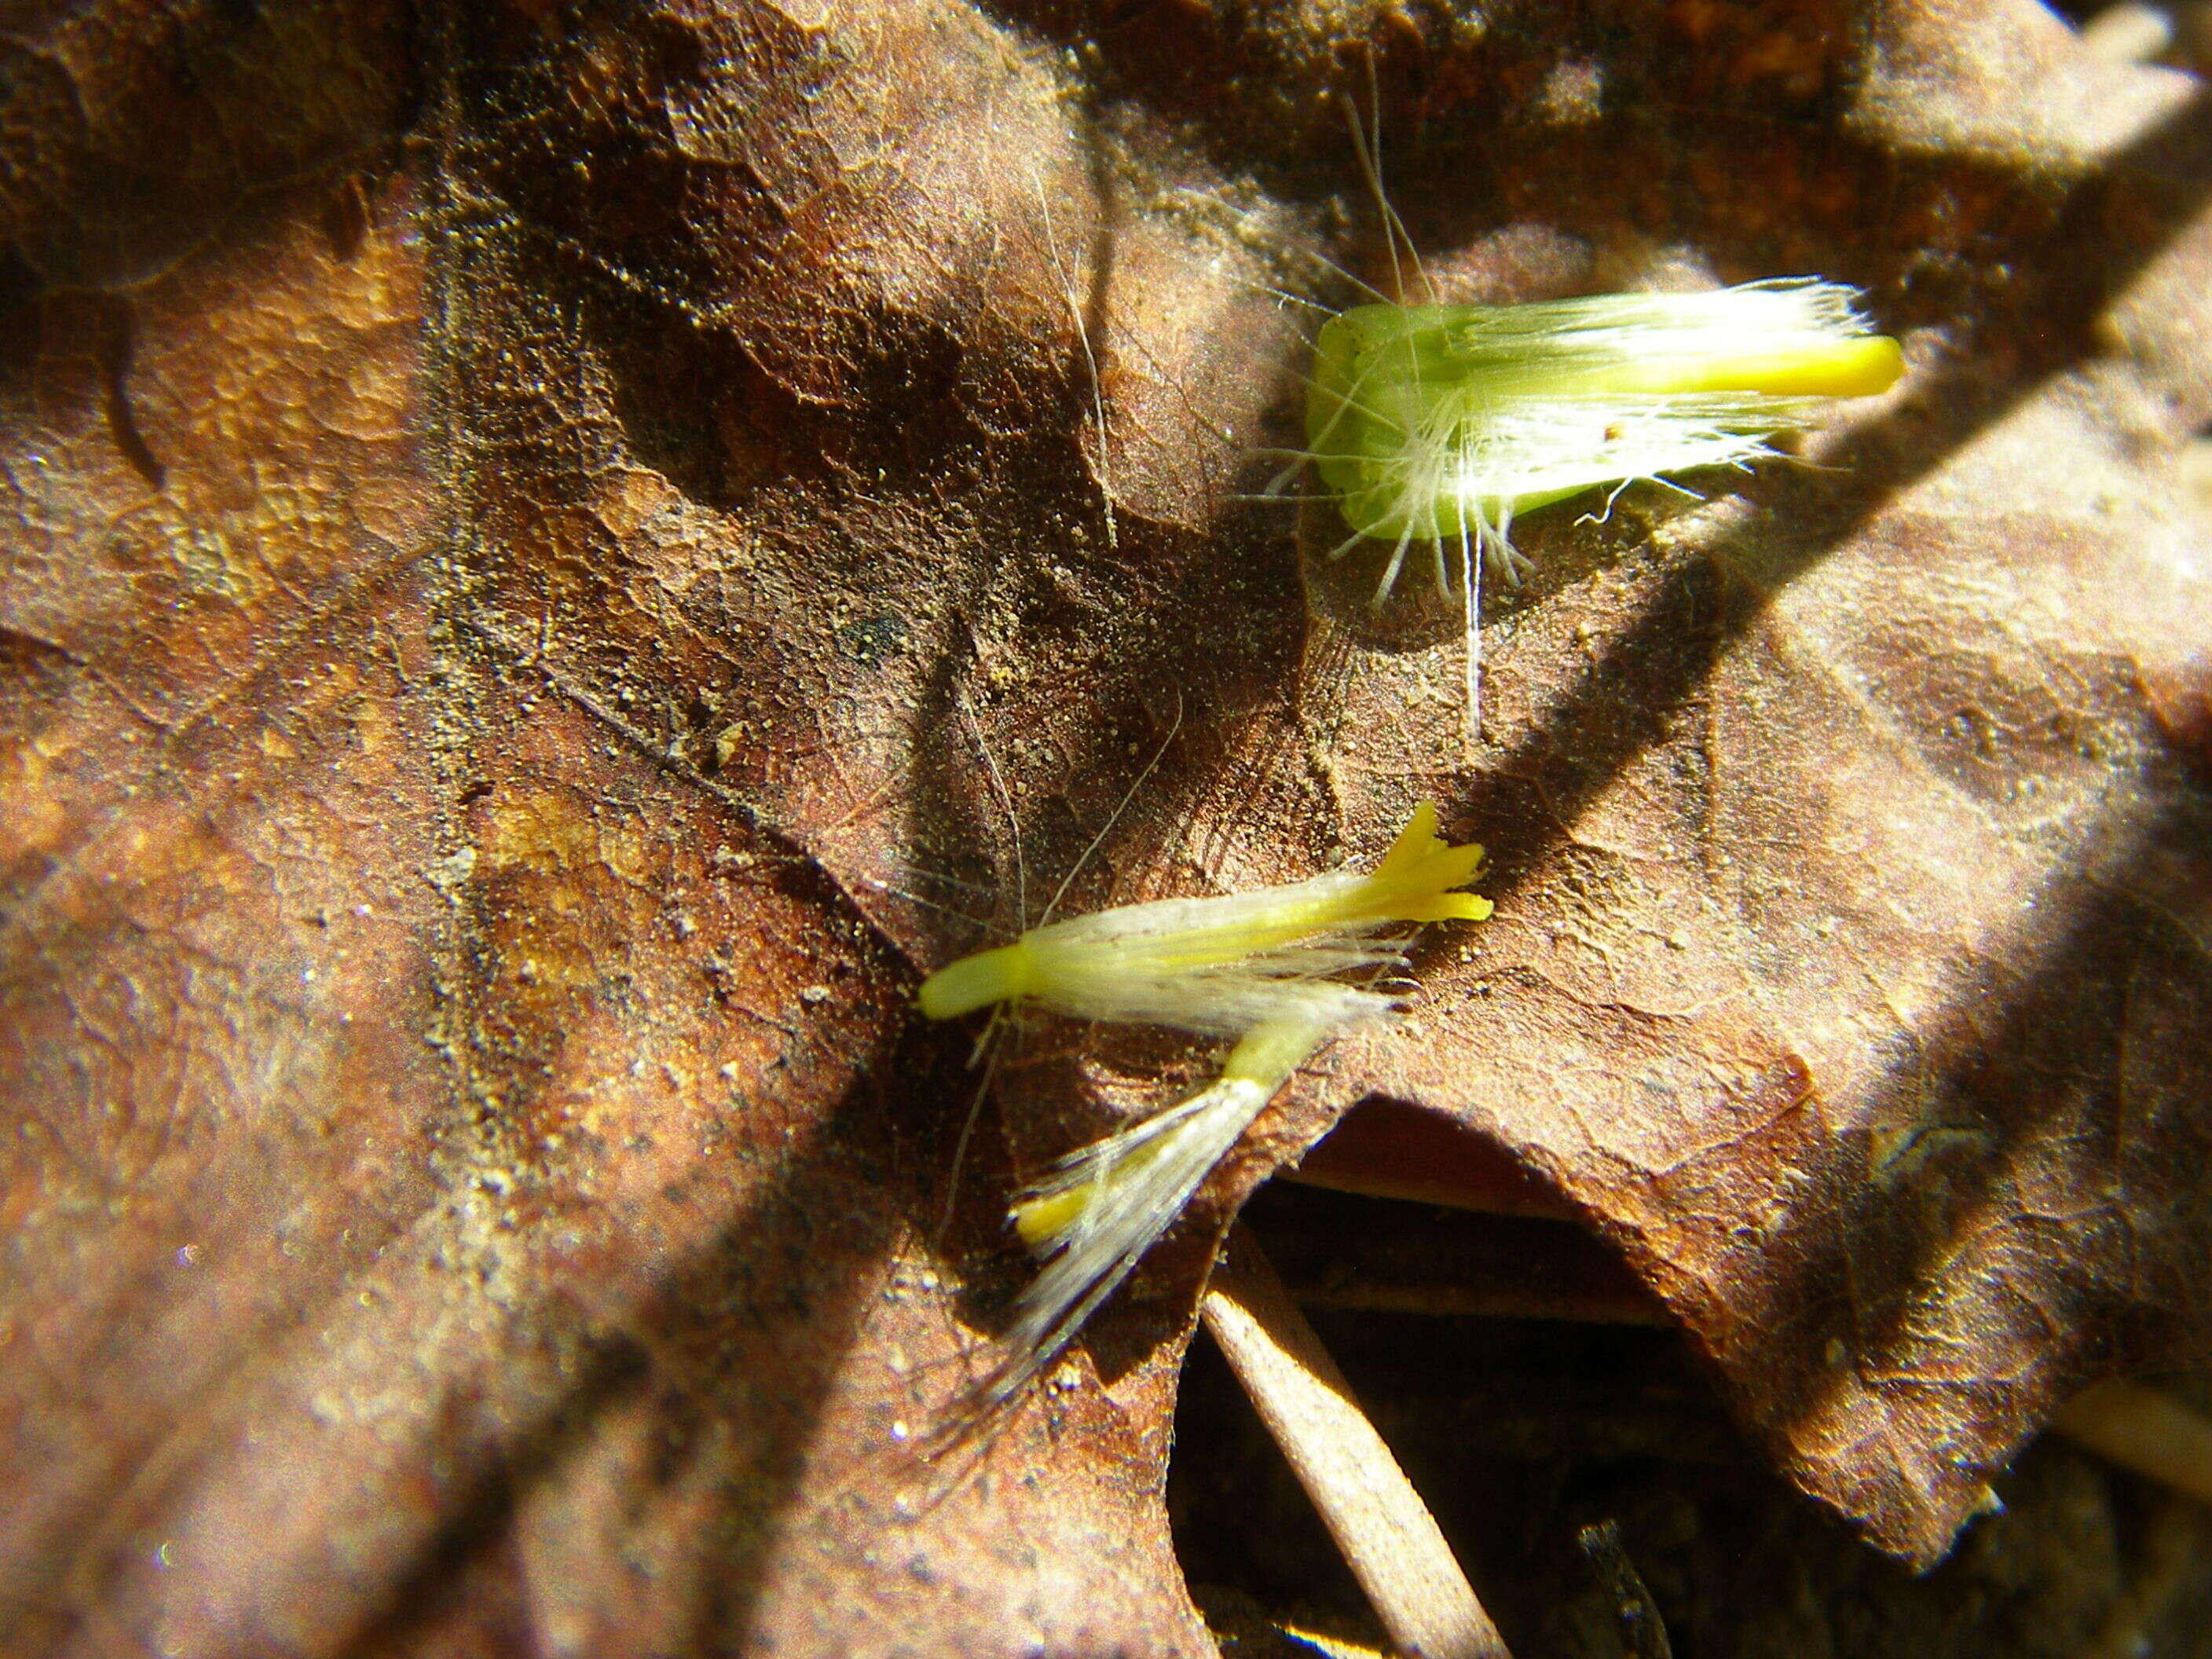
{"points": [[1518, 1432], [1521, 1432]]}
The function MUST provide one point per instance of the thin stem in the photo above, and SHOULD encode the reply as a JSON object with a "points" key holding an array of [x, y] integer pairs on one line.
{"points": [[1471, 563], [1082, 335], [1389, 1540], [1114, 816], [1006, 804], [2145, 1430], [984, 1046]]}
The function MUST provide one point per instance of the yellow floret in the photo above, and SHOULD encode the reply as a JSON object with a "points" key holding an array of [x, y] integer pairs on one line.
{"points": [[1411, 884], [1200, 963], [1261, 967]]}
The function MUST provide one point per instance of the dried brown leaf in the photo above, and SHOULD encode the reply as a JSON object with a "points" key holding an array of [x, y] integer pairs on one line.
{"points": [[520, 552]]}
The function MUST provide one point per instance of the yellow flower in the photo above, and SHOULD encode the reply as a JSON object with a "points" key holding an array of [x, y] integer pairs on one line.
{"points": [[1434, 423], [1221, 966], [1437, 423], [1252, 966]]}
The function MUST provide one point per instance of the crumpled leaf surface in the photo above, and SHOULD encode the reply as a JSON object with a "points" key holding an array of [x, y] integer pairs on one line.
{"points": [[542, 547]]}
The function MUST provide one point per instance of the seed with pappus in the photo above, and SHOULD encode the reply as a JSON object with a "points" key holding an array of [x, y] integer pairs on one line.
{"points": [[1255, 966], [1438, 423]]}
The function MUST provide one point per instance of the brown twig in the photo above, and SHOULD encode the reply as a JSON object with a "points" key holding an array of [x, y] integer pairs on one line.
{"points": [[1642, 1632], [2146, 1431], [1389, 1538]]}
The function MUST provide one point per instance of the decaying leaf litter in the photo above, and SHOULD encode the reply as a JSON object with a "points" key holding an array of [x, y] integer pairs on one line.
{"points": [[556, 566]]}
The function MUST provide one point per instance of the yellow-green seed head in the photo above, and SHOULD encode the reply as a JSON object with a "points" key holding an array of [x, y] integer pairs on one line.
{"points": [[1256, 966], [1430, 422], [1226, 965]]}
